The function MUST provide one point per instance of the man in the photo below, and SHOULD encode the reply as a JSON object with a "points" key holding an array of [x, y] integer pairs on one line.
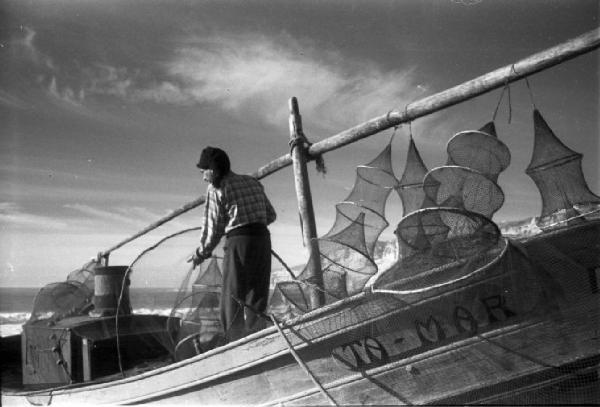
{"points": [[237, 207]]}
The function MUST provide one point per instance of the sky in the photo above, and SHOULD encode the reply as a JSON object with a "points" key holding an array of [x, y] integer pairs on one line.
{"points": [[106, 105]]}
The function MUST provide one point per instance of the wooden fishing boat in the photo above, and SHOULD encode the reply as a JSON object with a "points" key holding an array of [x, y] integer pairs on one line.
{"points": [[379, 348], [512, 323]]}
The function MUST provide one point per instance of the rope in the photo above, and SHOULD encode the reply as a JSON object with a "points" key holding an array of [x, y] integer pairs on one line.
{"points": [[409, 122], [509, 106], [504, 88], [301, 139], [393, 134], [290, 347], [301, 362], [528, 86], [507, 88], [285, 266], [127, 272]]}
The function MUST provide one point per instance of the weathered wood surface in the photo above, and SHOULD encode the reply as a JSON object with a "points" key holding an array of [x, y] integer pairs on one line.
{"points": [[437, 372], [316, 296], [499, 326], [535, 63]]}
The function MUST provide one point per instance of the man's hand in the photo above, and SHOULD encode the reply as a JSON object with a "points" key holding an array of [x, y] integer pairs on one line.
{"points": [[196, 259]]}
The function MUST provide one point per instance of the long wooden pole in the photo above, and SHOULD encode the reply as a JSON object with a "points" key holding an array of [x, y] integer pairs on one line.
{"points": [[528, 66], [185, 208], [305, 206], [465, 91]]}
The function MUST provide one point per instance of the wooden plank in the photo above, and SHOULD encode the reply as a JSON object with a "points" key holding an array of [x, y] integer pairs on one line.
{"points": [[447, 371], [457, 372], [326, 341], [305, 206]]}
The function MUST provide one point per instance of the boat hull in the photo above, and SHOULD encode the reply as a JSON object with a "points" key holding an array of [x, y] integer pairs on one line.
{"points": [[502, 328]]}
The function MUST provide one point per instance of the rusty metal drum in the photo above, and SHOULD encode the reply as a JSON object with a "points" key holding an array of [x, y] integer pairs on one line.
{"points": [[108, 284]]}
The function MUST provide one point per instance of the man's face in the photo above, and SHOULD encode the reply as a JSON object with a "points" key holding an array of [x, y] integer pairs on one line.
{"points": [[208, 175]]}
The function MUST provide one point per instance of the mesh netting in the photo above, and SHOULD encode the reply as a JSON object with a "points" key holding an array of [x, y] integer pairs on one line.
{"points": [[65, 299], [189, 296], [556, 170], [346, 251], [345, 264], [410, 188], [373, 184], [462, 187], [519, 317], [445, 234], [480, 151]]}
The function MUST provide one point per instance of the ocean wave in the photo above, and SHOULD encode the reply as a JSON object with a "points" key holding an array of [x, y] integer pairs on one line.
{"points": [[164, 311], [11, 322], [14, 317], [22, 317], [153, 311]]}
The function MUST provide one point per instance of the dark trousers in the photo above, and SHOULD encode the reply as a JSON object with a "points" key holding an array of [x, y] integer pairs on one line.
{"points": [[246, 277]]}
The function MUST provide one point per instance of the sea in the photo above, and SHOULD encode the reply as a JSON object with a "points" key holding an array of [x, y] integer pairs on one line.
{"points": [[16, 304]]}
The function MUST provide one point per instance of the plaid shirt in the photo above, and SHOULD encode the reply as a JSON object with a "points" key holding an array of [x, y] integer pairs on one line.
{"points": [[239, 201]]}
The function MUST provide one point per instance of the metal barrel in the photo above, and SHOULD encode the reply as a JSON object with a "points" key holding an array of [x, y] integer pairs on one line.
{"points": [[108, 282]]}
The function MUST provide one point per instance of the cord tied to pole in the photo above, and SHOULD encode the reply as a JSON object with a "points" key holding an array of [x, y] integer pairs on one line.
{"points": [[302, 141]]}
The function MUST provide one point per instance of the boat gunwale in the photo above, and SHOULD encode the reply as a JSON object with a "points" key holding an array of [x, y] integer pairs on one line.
{"points": [[264, 335]]}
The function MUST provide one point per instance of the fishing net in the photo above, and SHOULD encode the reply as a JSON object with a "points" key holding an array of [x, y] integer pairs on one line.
{"points": [[373, 184], [345, 264], [446, 233], [202, 316], [512, 324], [519, 316], [65, 299], [346, 250], [480, 151], [189, 296], [410, 188], [462, 187], [556, 170]]}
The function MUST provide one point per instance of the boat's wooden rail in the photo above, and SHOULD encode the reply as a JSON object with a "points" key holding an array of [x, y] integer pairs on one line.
{"points": [[387, 349], [483, 84]]}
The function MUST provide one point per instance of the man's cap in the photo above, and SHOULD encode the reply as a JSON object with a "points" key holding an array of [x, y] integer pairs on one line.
{"points": [[215, 159]]}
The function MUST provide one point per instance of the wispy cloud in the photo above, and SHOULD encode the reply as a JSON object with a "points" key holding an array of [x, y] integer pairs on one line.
{"points": [[136, 216], [13, 215], [66, 93], [109, 80], [101, 214], [25, 44], [258, 74], [9, 100], [246, 75]]}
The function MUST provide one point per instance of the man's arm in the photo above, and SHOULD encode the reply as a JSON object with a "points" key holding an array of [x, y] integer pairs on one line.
{"points": [[214, 225]]}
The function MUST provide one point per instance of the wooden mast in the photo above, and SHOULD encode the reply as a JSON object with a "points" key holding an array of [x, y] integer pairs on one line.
{"points": [[521, 69], [299, 147]]}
